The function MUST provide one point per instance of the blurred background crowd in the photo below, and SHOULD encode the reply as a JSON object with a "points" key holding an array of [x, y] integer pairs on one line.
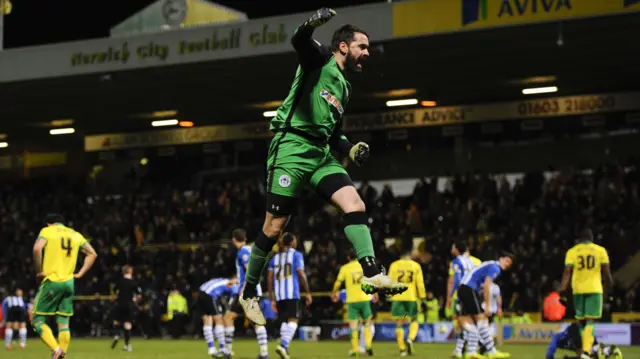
{"points": [[176, 235]]}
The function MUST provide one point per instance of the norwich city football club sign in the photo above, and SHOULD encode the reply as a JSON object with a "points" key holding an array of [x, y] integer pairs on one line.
{"points": [[182, 45]]}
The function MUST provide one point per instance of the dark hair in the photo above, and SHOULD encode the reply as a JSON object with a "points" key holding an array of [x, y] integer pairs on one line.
{"points": [[586, 234], [287, 238], [351, 255], [461, 246], [345, 33], [508, 254], [53, 218], [239, 235]]}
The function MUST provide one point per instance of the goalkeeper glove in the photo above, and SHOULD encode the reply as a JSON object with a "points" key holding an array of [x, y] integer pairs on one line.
{"points": [[359, 153], [320, 17]]}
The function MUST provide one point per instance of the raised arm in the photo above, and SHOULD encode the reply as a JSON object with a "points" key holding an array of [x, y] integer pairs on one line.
{"points": [[310, 52]]}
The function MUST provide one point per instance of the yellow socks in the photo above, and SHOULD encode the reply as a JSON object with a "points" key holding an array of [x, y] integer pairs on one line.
{"points": [[400, 337], [47, 336], [64, 337], [413, 330], [368, 338], [355, 341], [587, 337]]}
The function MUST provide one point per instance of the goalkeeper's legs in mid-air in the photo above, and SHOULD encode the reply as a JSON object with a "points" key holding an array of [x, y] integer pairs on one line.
{"points": [[330, 180]]}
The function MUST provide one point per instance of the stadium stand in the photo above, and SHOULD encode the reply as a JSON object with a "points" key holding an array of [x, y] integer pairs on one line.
{"points": [[175, 236]]}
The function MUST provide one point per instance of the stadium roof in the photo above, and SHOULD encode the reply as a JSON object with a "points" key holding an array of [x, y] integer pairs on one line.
{"points": [[598, 55]]}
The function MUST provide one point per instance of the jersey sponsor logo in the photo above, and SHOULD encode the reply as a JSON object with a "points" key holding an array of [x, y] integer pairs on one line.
{"points": [[332, 100], [284, 181]]}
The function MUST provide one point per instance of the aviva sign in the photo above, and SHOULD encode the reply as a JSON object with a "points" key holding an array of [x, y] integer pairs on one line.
{"points": [[427, 17], [480, 11]]}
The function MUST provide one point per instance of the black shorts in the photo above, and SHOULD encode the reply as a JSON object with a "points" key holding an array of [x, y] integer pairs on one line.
{"points": [[123, 313], [17, 315], [234, 305], [469, 301], [288, 309], [209, 305]]}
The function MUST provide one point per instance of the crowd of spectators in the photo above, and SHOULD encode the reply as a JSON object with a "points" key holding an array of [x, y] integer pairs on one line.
{"points": [[177, 237]]}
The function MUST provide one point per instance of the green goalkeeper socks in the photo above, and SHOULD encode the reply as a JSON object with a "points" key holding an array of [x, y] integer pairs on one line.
{"points": [[256, 264], [358, 234], [360, 238], [260, 255]]}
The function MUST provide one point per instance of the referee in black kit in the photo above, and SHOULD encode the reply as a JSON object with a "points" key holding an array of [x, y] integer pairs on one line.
{"points": [[128, 293]]}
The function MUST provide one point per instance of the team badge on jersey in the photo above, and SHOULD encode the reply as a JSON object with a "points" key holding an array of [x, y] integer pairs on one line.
{"points": [[332, 100], [284, 181]]}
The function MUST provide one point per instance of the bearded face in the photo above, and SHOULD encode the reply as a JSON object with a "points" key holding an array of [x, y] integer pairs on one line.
{"points": [[357, 53]]}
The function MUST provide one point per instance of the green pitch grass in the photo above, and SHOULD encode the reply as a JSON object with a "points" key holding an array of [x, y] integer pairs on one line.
{"points": [[247, 349]]}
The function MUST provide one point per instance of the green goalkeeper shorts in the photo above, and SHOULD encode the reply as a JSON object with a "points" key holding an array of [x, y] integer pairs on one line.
{"points": [[295, 162]]}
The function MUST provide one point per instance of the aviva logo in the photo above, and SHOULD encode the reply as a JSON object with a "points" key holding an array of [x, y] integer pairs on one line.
{"points": [[478, 10], [474, 10]]}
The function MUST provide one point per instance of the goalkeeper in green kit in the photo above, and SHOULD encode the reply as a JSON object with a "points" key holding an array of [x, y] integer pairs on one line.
{"points": [[307, 126]]}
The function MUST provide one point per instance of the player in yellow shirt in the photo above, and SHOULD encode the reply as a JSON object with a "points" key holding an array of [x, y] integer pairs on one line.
{"points": [[585, 264], [405, 305], [358, 303], [56, 267], [463, 262]]}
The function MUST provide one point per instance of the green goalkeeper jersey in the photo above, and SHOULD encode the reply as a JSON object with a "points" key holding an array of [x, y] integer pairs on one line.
{"points": [[318, 96]]}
